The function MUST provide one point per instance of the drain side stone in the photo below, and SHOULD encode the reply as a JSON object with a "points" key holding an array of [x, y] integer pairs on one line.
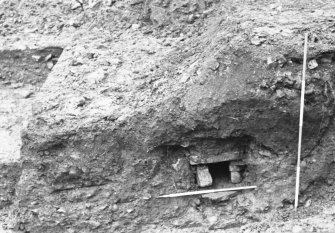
{"points": [[204, 178], [235, 168], [235, 177]]}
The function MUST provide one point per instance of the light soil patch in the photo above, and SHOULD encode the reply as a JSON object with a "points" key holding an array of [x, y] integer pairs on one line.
{"points": [[15, 109]]}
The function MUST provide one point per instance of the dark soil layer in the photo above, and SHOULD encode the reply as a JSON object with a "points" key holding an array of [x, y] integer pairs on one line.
{"points": [[27, 66]]}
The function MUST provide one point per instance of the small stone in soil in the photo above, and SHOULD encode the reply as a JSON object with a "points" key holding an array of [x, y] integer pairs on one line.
{"points": [[312, 64], [308, 203], [36, 57], [235, 177], [49, 57], [50, 65]]}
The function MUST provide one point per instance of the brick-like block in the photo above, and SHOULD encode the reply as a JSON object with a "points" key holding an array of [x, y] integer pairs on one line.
{"points": [[204, 178], [235, 177], [236, 166]]}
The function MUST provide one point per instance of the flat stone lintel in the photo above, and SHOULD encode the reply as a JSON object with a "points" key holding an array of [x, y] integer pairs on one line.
{"points": [[228, 156]]}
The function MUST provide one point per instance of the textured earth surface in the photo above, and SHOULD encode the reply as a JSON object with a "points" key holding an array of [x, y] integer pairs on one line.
{"points": [[104, 102]]}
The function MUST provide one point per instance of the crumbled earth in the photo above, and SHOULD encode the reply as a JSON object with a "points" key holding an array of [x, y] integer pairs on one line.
{"points": [[103, 103]]}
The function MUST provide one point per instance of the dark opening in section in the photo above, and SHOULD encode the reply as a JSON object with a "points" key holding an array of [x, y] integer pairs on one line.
{"points": [[220, 174]]}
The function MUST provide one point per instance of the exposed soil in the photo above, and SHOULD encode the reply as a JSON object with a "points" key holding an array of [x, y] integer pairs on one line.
{"points": [[106, 105], [22, 75]]}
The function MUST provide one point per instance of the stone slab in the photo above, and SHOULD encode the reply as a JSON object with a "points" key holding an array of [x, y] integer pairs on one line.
{"points": [[204, 178], [198, 159], [236, 166], [235, 177]]}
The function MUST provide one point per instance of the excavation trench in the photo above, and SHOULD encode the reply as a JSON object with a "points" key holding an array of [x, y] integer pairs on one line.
{"points": [[87, 158]]}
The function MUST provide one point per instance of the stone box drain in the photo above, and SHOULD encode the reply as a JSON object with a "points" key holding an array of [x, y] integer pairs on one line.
{"points": [[218, 171]]}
